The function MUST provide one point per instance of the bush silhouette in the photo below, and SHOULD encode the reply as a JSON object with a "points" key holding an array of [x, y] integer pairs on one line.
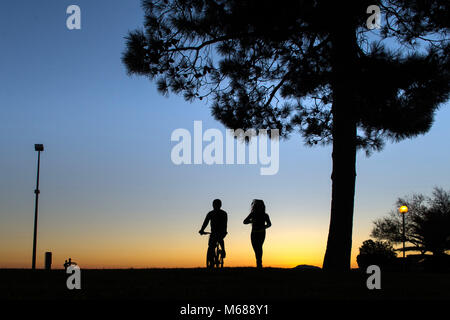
{"points": [[378, 253]]}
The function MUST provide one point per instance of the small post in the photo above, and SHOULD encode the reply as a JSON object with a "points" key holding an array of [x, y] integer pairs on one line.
{"points": [[48, 261]]}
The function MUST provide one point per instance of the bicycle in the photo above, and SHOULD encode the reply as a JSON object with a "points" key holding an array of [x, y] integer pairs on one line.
{"points": [[215, 261]]}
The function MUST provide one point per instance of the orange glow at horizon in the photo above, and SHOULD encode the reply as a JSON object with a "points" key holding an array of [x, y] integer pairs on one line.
{"points": [[181, 248]]}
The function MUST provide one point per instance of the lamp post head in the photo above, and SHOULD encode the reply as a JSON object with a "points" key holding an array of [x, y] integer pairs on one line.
{"points": [[39, 147], [403, 209]]}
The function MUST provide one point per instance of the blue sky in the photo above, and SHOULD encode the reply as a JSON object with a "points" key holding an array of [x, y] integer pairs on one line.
{"points": [[108, 183]]}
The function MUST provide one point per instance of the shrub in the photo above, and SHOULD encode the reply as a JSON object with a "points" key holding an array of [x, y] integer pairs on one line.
{"points": [[378, 253]]}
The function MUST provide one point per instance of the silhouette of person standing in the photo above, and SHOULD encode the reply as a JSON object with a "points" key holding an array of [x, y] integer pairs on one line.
{"points": [[260, 222], [219, 219]]}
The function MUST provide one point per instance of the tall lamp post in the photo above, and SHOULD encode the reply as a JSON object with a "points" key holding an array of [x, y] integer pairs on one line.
{"points": [[403, 211], [38, 148]]}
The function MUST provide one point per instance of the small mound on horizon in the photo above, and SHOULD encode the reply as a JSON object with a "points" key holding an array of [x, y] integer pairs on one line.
{"points": [[306, 267]]}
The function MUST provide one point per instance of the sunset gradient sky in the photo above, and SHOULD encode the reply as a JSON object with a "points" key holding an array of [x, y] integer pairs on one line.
{"points": [[110, 195]]}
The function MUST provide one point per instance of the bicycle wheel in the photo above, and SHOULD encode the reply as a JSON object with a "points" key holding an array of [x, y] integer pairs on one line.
{"points": [[210, 261], [219, 258]]}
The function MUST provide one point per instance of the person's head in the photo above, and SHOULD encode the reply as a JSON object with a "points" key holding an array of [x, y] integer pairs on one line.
{"points": [[217, 204], [258, 206]]}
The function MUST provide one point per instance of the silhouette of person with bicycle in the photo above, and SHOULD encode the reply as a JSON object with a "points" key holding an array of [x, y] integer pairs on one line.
{"points": [[260, 222], [218, 219]]}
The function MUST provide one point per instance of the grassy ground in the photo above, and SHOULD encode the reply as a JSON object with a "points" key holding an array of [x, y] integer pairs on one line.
{"points": [[228, 284]]}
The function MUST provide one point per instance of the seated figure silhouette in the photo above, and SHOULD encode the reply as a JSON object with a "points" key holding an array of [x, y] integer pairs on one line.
{"points": [[260, 222], [68, 263], [218, 219]]}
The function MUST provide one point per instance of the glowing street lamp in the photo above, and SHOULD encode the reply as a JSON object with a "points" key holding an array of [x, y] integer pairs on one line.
{"points": [[403, 211]]}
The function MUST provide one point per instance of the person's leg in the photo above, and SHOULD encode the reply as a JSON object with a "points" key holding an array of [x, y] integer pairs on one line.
{"points": [[222, 245], [256, 247], [257, 243], [211, 247], [262, 236]]}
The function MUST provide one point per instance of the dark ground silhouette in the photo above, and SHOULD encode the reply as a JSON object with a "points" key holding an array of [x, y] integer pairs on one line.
{"points": [[227, 284]]}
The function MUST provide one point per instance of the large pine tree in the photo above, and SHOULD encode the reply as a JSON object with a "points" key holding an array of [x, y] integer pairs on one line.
{"points": [[304, 66]]}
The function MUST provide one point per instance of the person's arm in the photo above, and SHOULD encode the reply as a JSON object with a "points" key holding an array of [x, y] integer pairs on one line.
{"points": [[226, 223], [205, 223], [268, 222], [248, 219]]}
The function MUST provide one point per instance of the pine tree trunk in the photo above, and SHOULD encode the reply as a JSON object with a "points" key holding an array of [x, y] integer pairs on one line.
{"points": [[339, 245]]}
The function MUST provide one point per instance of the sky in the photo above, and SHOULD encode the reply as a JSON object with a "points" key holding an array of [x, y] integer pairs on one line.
{"points": [[110, 195]]}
